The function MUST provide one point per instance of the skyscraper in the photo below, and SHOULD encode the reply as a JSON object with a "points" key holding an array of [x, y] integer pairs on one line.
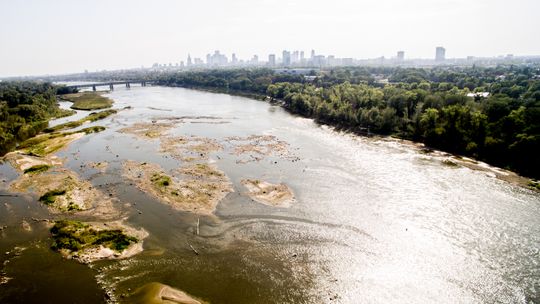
{"points": [[295, 57], [400, 55], [271, 60], [234, 59], [189, 63], [216, 59], [440, 53], [286, 58]]}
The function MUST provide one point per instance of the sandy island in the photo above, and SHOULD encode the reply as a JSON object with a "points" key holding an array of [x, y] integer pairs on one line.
{"points": [[157, 293], [197, 188], [146, 130], [89, 242], [257, 147], [276, 195], [62, 191], [189, 148]]}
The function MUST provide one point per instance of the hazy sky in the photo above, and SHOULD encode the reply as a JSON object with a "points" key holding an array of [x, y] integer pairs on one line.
{"points": [[59, 36]]}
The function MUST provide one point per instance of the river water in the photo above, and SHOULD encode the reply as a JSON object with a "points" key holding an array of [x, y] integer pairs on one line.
{"points": [[375, 220]]}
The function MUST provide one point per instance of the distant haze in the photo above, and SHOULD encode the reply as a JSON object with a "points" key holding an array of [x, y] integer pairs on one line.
{"points": [[60, 36]]}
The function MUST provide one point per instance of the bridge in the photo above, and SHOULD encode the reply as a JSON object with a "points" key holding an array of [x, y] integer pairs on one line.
{"points": [[110, 84]]}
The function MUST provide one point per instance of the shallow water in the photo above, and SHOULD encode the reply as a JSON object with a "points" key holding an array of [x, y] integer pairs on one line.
{"points": [[376, 221]]}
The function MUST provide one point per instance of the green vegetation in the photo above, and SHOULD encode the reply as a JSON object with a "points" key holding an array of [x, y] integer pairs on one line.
{"points": [[62, 90], [161, 180], [75, 236], [534, 185], [25, 108], [450, 163], [42, 145], [37, 169], [49, 197], [429, 105], [94, 116], [49, 143], [94, 129], [73, 207], [88, 101]]}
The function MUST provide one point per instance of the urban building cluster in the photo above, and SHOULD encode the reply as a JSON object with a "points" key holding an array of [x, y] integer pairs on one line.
{"points": [[299, 59]]}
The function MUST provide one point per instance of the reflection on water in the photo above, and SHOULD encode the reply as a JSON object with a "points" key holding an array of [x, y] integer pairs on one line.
{"points": [[375, 221]]}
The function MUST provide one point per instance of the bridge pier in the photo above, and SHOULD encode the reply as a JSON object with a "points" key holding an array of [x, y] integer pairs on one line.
{"points": [[111, 84]]}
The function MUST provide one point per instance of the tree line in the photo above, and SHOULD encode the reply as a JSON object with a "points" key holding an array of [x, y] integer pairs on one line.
{"points": [[431, 106], [25, 109]]}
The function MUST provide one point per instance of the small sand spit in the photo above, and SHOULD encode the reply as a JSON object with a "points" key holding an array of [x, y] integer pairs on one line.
{"points": [[26, 226], [21, 161], [277, 195], [100, 166], [197, 188], [457, 161], [157, 293]]}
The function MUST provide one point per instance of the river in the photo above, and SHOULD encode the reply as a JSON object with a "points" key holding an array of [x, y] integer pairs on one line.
{"points": [[375, 220]]}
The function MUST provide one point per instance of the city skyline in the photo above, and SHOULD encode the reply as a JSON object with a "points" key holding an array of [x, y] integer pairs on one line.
{"points": [[63, 36], [297, 58]]}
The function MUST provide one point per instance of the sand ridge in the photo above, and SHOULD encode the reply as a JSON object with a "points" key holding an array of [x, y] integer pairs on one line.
{"points": [[276, 195]]}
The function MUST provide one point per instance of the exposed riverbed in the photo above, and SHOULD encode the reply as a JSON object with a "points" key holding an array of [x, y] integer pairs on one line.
{"points": [[292, 213]]}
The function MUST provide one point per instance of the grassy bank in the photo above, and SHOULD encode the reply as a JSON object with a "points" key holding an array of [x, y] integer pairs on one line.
{"points": [[75, 236], [45, 144], [88, 101], [74, 124]]}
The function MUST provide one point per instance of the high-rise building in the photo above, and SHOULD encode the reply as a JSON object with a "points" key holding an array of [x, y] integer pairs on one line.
{"points": [[319, 60], [234, 59], [271, 60], [216, 59], [312, 54], [286, 58], [295, 57], [331, 60], [440, 53], [347, 61], [255, 60], [400, 55], [189, 63], [302, 56]]}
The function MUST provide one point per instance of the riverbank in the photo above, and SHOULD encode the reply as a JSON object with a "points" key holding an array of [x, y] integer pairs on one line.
{"points": [[463, 160]]}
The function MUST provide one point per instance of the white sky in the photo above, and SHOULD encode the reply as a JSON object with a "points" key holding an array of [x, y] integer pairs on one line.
{"points": [[60, 36]]}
